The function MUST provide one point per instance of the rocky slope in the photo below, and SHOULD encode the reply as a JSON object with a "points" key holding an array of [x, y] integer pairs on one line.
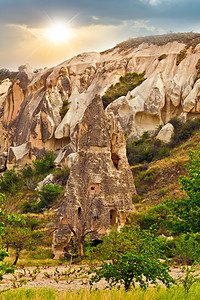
{"points": [[30, 107]]}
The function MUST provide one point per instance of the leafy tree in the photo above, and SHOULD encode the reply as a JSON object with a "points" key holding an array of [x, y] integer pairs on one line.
{"points": [[18, 238], [185, 212], [135, 258]]}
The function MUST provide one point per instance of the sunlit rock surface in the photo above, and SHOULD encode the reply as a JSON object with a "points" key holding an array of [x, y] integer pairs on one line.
{"points": [[100, 186], [30, 110]]}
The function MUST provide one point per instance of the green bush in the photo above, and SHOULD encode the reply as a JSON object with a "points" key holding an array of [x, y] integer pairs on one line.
{"points": [[10, 181], [46, 164], [153, 217], [43, 199], [185, 212], [183, 249], [48, 195], [145, 150], [121, 88]]}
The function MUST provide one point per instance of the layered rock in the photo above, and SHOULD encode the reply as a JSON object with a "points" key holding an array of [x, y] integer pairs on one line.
{"points": [[100, 186], [30, 113]]}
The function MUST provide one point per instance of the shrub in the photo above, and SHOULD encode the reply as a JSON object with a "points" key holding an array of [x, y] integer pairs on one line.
{"points": [[64, 108], [181, 56], [153, 217], [46, 164], [121, 88], [162, 56], [48, 195], [183, 249], [27, 172], [10, 181]]}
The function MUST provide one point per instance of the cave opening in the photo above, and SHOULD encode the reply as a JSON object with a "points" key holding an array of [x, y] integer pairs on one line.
{"points": [[113, 217], [115, 158]]}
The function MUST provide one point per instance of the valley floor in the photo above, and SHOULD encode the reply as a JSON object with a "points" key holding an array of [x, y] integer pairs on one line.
{"points": [[61, 278]]}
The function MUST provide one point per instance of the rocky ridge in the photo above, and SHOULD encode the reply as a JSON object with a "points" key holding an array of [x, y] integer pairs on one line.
{"points": [[30, 107]]}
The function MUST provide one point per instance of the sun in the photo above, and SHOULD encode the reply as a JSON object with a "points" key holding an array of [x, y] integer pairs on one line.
{"points": [[58, 33]]}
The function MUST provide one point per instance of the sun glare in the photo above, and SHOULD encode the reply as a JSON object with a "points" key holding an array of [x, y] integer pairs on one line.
{"points": [[58, 33]]}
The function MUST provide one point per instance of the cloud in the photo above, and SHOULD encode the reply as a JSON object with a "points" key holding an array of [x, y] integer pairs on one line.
{"points": [[95, 18], [158, 2], [30, 45]]}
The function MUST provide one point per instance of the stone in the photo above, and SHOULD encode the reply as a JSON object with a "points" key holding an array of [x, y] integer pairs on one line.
{"points": [[100, 186], [49, 179], [3, 159], [166, 133], [18, 156]]}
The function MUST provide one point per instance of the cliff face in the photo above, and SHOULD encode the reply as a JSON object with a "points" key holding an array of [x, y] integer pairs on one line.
{"points": [[30, 111]]}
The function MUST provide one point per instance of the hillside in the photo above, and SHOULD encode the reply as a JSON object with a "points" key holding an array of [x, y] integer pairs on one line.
{"points": [[40, 111]]}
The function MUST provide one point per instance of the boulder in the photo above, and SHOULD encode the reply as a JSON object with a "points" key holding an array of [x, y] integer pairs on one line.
{"points": [[18, 156], [166, 133]]}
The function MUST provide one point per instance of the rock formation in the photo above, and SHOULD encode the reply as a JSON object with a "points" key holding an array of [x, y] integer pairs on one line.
{"points": [[30, 111], [166, 132], [100, 186]]}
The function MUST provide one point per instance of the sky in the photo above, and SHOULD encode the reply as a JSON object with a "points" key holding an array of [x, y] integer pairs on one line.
{"points": [[45, 33]]}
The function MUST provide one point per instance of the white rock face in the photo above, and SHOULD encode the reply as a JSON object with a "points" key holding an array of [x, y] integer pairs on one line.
{"points": [[18, 156], [71, 159], [31, 109], [165, 133], [191, 102]]}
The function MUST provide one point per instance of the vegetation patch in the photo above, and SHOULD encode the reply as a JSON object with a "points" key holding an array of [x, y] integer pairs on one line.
{"points": [[181, 56], [5, 73], [126, 83], [190, 39], [146, 148], [64, 108], [162, 56]]}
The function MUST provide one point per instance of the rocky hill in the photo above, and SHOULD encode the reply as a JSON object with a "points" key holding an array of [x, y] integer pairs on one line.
{"points": [[40, 111]]}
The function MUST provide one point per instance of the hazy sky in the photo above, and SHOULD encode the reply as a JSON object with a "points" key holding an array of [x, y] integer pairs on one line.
{"points": [[47, 32]]}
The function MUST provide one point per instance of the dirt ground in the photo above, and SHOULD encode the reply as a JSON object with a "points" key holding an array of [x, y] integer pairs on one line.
{"points": [[60, 278]]}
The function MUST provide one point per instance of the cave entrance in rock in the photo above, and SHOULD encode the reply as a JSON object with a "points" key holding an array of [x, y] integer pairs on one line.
{"points": [[79, 212], [113, 217], [115, 158]]}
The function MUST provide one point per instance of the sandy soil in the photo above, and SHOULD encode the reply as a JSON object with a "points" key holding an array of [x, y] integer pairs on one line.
{"points": [[59, 278]]}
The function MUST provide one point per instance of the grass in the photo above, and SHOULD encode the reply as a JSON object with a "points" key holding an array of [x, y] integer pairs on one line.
{"points": [[42, 256], [159, 293]]}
